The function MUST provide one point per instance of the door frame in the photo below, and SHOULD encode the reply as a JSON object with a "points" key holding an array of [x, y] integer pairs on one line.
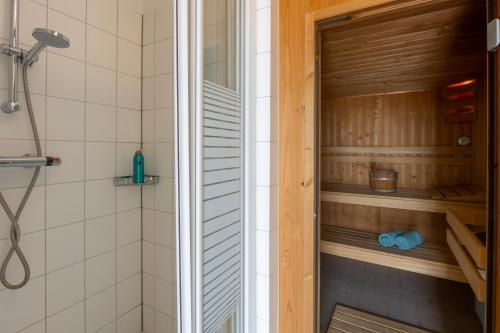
{"points": [[310, 168]]}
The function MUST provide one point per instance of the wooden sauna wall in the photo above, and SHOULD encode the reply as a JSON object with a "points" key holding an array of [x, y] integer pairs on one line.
{"points": [[396, 119], [408, 119], [378, 220]]}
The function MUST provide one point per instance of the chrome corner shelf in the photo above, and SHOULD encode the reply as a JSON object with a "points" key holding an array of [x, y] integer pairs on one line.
{"points": [[29, 161], [129, 181]]}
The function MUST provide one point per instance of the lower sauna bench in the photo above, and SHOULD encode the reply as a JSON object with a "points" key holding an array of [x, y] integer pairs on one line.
{"points": [[429, 259]]}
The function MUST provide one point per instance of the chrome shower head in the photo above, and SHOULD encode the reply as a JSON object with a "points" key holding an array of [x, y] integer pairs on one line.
{"points": [[51, 38], [45, 37]]}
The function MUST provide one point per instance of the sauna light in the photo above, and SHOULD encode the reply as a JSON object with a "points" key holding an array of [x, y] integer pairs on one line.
{"points": [[462, 84]]}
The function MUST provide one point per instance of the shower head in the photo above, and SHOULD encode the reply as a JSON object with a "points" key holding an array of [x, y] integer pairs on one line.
{"points": [[51, 38], [45, 37]]}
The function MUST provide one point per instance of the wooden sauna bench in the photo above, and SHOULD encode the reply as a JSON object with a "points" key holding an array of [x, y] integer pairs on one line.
{"points": [[429, 259], [409, 199]]}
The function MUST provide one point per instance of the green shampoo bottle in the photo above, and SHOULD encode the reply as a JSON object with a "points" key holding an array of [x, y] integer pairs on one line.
{"points": [[138, 167]]}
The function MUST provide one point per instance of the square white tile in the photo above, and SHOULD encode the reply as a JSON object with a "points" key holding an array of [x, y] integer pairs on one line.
{"points": [[64, 288], [71, 320], [100, 273], [100, 235], [100, 309], [100, 123], [65, 119], [148, 60], [148, 260], [129, 294], [129, 126], [148, 226], [129, 24], [164, 195], [164, 228], [148, 28], [129, 58], [128, 260], [72, 195], [75, 8], [65, 246], [128, 197], [101, 48], [128, 227], [164, 56], [100, 162], [164, 160], [103, 14], [129, 92], [164, 91], [164, 125], [164, 261], [24, 307], [164, 22], [164, 297], [101, 85], [99, 198], [130, 322], [65, 77], [148, 290], [148, 93]]}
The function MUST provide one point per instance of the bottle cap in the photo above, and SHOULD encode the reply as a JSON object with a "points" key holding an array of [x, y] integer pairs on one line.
{"points": [[138, 152]]}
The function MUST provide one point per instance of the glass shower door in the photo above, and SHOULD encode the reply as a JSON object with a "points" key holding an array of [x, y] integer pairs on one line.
{"points": [[221, 267], [216, 169]]}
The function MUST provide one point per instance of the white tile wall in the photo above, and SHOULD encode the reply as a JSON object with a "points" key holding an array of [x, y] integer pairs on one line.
{"points": [[81, 235], [266, 166], [158, 256]]}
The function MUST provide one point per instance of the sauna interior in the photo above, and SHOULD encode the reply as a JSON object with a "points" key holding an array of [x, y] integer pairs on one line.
{"points": [[405, 90]]}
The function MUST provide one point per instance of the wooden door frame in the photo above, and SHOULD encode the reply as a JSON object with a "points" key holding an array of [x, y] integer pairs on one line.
{"points": [[308, 163]]}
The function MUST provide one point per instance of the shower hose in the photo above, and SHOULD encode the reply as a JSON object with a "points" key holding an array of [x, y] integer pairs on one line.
{"points": [[15, 230]]}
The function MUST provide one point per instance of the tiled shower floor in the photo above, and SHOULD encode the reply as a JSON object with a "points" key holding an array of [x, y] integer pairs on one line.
{"points": [[435, 304]]}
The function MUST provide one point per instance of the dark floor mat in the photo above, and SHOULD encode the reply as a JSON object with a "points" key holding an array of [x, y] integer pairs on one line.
{"points": [[422, 301]]}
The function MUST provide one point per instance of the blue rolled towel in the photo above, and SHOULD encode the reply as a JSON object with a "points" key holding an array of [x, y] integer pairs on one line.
{"points": [[388, 239], [409, 240]]}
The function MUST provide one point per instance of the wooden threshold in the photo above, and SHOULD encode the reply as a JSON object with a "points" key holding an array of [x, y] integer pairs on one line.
{"points": [[429, 259], [348, 320], [409, 199]]}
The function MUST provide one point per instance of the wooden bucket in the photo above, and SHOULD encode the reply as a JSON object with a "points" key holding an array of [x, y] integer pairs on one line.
{"points": [[384, 180]]}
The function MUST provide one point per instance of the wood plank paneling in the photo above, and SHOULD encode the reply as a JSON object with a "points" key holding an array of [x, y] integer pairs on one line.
{"points": [[377, 220], [407, 119], [415, 48]]}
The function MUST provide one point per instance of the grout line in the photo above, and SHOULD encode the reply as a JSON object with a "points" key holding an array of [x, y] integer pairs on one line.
{"points": [[116, 168], [85, 176], [45, 173], [142, 142], [155, 319]]}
